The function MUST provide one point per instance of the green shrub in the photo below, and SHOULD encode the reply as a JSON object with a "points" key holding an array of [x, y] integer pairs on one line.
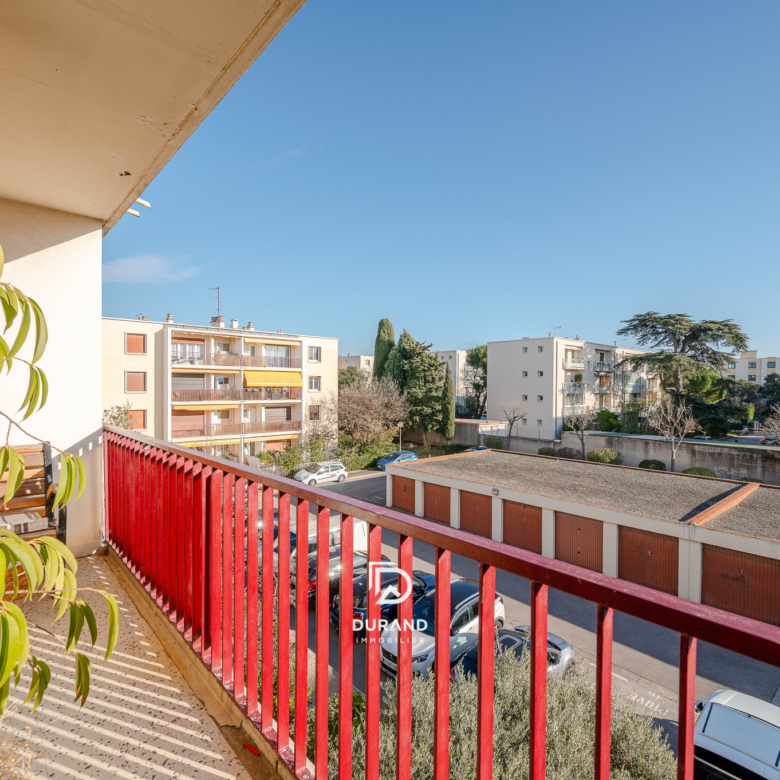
{"points": [[750, 479], [639, 751], [494, 442], [699, 472], [547, 450], [607, 421], [605, 455], [451, 449], [656, 465], [368, 454], [570, 453]]}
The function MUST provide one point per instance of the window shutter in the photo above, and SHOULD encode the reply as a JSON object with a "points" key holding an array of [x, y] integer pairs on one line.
{"points": [[136, 343], [136, 419], [136, 381]]}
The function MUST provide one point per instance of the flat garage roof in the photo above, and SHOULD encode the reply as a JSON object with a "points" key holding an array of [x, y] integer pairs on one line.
{"points": [[756, 515], [645, 492]]}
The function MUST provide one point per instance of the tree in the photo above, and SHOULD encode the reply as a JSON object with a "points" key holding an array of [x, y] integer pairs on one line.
{"points": [[607, 420], [351, 375], [580, 423], [476, 376], [447, 425], [118, 416], [672, 419], [512, 414], [383, 346], [50, 568], [769, 392], [683, 343], [399, 359], [368, 410]]}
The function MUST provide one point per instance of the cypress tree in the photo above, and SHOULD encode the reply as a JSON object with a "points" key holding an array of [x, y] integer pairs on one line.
{"points": [[385, 341], [447, 427]]}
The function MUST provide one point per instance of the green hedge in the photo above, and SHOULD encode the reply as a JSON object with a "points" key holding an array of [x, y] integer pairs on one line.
{"points": [[750, 479], [451, 449], [547, 450], [656, 465], [605, 455], [494, 442], [699, 472]]}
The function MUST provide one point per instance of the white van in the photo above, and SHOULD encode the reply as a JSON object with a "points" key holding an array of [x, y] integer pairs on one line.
{"points": [[736, 736], [359, 537]]}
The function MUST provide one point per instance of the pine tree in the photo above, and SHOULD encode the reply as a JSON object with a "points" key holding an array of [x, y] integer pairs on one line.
{"points": [[398, 361], [447, 426], [383, 346]]}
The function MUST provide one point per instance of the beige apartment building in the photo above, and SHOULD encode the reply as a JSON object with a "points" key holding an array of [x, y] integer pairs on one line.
{"points": [[223, 390], [461, 382], [551, 378], [363, 362], [751, 368]]}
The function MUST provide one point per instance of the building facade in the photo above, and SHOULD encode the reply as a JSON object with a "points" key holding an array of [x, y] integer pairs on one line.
{"points": [[751, 368], [224, 390], [363, 362], [456, 358], [551, 378]]}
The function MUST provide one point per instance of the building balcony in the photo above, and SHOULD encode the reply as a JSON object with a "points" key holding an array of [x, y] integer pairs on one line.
{"points": [[574, 409], [277, 394], [221, 359], [265, 361], [281, 426], [197, 395], [602, 388], [574, 363], [235, 429], [575, 388], [603, 368]]}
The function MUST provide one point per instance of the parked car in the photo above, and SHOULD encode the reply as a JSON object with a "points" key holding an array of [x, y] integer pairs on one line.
{"points": [[422, 583], [359, 539], [474, 449], [400, 456], [464, 621], [322, 471], [359, 568], [560, 654], [770, 440], [702, 437], [736, 736]]}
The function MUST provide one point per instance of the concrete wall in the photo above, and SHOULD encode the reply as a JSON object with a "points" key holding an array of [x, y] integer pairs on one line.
{"points": [[727, 461], [465, 433], [522, 444], [55, 258]]}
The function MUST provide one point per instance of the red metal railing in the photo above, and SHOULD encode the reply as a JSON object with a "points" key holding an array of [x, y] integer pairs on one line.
{"points": [[177, 519], [273, 394]]}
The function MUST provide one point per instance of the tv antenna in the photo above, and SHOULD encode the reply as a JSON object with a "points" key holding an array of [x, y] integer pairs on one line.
{"points": [[555, 327], [217, 297]]}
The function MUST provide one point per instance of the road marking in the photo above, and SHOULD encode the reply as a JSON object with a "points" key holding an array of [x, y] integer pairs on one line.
{"points": [[619, 677]]}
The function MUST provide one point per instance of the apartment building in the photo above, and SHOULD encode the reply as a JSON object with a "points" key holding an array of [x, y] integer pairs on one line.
{"points": [[751, 368], [456, 358], [363, 362], [553, 377], [223, 390]]}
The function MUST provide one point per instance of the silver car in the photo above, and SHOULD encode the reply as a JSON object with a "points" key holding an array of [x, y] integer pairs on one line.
{"points": [[322, 471]]}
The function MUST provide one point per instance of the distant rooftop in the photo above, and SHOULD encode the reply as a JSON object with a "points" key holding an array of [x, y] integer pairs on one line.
{"points": [[645, 492]]}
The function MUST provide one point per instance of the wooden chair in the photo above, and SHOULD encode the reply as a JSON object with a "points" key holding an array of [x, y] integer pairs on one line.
{"points": [[36, 494]]}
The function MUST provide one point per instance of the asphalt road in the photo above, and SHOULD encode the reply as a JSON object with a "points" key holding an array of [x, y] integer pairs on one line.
{"points": [[645, 656]]}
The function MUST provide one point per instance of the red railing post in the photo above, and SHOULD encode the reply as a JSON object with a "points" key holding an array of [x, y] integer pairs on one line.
{"points": [[538, 725], [404, 679], [686, 717], [441, 668], [321, 646], [283, 642], [603, 692], [189, 557], [252, 598], [486, 670], [345, 650], [373, 614], [301, 631], [267, 619], [227, 583], [215, 557], [238, 587]]}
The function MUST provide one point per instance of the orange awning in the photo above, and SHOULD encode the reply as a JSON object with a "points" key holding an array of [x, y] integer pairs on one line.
{"points": [[273, 379]]}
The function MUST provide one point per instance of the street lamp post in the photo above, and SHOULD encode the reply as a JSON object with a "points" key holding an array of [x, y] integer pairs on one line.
{"points": [[400, 435]]}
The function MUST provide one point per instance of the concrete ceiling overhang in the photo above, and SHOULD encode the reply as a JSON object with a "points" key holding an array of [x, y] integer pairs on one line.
{"points": [[97, 96]]}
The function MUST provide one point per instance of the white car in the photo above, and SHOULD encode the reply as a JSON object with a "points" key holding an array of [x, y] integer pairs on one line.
{"points": [[736, 736], [702, 437], [464, 622], [324, 471]]}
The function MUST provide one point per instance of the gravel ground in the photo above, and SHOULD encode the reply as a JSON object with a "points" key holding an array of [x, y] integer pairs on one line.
{"points": [[631, 490], [756, 515]]}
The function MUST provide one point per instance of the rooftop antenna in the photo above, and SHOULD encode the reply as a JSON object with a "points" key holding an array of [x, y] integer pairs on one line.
{"points": [[217, 297], [555, 327]]}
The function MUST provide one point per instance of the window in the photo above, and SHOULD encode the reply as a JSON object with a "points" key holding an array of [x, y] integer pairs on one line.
{"points": [[751, 365], [315, 355], [751, 377], [135, 343], [314, 383], [222, 346], [525, 422], [223, 414], [540, 373], [249, 349], [525, 397], [135, 381], [368, 363], [771, 364], [541, 349], [525, 373], [525, 349], [136, 419], [314, 412], [540, 423], [601, 356], [461, 619], [732, 365], [540, 398]]}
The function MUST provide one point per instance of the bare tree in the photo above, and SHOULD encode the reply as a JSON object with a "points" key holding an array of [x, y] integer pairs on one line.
{"points": [[672, 419], [512, 414], [579, 423], [366, 410], [118, 416], [772, 423]]}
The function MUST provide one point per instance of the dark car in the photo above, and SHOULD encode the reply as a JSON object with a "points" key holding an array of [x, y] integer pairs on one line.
{"points": [[359, 567], [422, 583], [560, 653]]}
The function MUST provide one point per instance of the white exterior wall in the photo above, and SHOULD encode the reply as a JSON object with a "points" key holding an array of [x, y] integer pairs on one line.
{"points": [[327, 370], [763, 367], [456, 358], [55, 258], [363, 362]]}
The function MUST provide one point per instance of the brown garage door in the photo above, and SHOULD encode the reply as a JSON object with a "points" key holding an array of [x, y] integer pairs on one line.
{"points": [[437, 503], [648, 559], [476, 513], [579, 540], [403, 493], [523, 526], [739, 582]]}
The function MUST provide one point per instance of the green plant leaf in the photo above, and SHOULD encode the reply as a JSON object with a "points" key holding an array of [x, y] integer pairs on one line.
{"points": [[12, 645], [41, 332], [24, 651], [29, 558], [13, 306], [44, 388], [3, 460], [4, 695], [44, 678], [2, 261], [24, 329], [15, 474], [82, 472], [28, 396], [82, 677], [113, 624], [58, 546], [61, 487]]}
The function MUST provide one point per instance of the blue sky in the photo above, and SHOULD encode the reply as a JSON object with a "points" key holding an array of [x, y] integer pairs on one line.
{"points": [[476, 171]]}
